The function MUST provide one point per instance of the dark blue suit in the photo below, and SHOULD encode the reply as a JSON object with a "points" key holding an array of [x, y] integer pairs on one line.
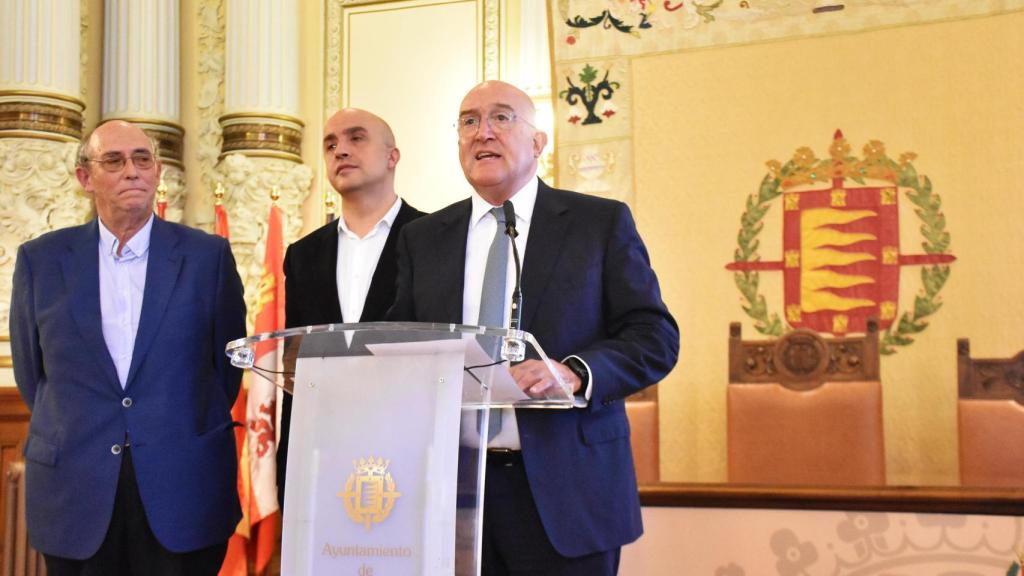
{"points": [[588, 290], [174, 410]]}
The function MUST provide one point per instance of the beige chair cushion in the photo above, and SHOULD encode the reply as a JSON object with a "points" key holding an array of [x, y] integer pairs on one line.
{"points": [[828, 436], [643, 423], [991, 443]]}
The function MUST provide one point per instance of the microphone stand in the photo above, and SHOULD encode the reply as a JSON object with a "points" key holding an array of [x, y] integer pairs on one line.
{"points": [[513, 348]]}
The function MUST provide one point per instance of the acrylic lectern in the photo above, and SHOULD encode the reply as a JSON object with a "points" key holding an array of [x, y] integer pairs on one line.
{"points": [[386, 463]]}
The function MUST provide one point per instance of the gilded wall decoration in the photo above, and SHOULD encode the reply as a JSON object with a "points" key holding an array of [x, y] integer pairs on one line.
{"points": [[39, 193], [211, 40], [248, 183]]}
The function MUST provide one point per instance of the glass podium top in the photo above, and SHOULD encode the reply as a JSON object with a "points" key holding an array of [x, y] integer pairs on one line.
{"points": [[490, 356]]}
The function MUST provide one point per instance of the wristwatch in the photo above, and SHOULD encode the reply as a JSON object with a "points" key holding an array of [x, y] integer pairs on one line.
{"points": [[580, 370]]}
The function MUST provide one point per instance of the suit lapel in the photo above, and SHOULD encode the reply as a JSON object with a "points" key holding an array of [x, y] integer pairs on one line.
{"points": [[548, 228], [325, 277], [81, 268], [450, 248], [382, 285], [162, 271]]}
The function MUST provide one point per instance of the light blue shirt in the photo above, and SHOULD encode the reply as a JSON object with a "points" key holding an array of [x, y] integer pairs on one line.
{"points": [[122, 284]]}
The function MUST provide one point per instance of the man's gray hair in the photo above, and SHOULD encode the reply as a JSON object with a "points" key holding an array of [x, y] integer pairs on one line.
{"points": [[85, 150]]}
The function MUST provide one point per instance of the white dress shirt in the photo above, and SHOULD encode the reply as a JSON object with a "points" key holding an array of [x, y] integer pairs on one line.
{"points": [[478, 243], [357, 261], [122, 284]]}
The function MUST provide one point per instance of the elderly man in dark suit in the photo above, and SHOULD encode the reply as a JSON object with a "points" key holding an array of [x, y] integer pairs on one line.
{"points": [[561, 493], [345, 270], [118, 330]]}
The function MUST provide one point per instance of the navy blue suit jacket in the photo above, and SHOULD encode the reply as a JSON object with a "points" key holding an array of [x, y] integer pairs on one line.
{"points": [[180, 385], [589, 290]]}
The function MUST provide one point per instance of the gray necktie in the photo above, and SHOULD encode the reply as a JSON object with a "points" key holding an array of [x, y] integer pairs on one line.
{"points": [[492, 296]]}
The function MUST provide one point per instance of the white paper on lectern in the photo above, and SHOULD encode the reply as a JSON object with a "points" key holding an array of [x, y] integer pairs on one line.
{"points": [[356, 407], [503, 387]]}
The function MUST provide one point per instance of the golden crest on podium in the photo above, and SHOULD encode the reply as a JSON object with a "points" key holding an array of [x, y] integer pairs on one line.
{"points": [[369, 495]]}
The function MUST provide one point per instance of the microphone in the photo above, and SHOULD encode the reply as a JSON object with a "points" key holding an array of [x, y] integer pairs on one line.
{"points": [[514, 349]]}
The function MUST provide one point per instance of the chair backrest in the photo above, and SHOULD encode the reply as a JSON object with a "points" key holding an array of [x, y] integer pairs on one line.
{"points": [[990, 410], [20, 559], [642, 411], [805, 410]]}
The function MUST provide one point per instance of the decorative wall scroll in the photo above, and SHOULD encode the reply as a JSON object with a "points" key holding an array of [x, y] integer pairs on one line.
{"points": [[594, 41]]}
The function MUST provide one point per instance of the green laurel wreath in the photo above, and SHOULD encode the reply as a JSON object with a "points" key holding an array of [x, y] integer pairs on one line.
{"points": [[928, 207]]}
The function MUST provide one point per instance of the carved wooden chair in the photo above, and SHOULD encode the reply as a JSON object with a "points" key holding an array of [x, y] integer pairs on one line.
{"points": [[805, 410], [642, 411], [990, 409]]}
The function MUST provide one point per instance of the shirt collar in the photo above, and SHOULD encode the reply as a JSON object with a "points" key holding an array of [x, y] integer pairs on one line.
{"points": [[135, 247], [387, 221], [522, 201]]}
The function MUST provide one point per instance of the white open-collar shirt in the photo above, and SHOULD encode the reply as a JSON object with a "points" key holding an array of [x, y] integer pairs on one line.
{"points": [[357, 261], [122, 285]]}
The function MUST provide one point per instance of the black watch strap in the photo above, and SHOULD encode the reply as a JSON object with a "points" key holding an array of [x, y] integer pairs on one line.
{"points": [[580, 370]]}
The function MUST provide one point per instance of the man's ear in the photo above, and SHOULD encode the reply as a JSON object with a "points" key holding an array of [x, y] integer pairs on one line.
{"points": [[540, 140], [393, 157], [83, 176]]}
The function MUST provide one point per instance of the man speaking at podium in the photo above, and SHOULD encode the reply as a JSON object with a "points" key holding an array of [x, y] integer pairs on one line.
{"points": [[561, 494], [118, 328]]}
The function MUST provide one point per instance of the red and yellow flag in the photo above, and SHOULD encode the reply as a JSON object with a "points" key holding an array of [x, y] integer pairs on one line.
{"points": [[256, 535]]}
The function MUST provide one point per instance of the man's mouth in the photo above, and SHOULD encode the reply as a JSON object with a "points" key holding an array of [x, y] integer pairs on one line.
{"points": [[486, 155]]}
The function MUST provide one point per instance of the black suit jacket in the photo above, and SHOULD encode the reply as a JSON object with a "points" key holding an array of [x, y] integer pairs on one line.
{"points": [[311, 295], [588, 290]]}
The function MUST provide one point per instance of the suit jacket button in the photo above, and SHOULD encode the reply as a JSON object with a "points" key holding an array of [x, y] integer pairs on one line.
{"points": [[126, 402], [115, 449]]}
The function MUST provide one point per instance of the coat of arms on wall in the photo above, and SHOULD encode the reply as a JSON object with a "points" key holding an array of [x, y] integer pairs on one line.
{"points": [[841, 255]]}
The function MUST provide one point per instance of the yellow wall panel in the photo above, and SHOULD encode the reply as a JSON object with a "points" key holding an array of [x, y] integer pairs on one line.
{"points": [[705, 123]]}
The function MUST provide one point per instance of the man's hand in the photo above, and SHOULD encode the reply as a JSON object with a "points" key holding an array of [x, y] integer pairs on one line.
{"points": [[533, 377]]}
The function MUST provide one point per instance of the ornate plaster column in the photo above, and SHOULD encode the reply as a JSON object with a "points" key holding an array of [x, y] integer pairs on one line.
{"points": [[40, 125], [141, 81], [262, 135]]}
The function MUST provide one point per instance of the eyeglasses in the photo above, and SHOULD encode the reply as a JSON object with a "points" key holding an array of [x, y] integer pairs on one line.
{"points": [[499, 120], [141, 160]]}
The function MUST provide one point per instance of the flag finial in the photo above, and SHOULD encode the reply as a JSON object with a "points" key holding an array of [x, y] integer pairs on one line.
{"points": [[161, 198], [218, 194]]}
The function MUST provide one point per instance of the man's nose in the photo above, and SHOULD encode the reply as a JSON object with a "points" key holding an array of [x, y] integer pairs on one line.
{"points": [[130, 171], [485, 130]]}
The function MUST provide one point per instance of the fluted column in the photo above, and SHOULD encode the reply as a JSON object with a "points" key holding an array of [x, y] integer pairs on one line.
{"points": [[40, 124], [262, 135], [141, 81]]}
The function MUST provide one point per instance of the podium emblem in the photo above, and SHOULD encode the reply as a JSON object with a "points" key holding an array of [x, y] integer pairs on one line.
{"points": [[369, 494]]}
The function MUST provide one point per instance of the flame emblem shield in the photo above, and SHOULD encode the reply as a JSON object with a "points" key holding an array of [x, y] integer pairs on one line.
{"points": [[841, 255]]}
